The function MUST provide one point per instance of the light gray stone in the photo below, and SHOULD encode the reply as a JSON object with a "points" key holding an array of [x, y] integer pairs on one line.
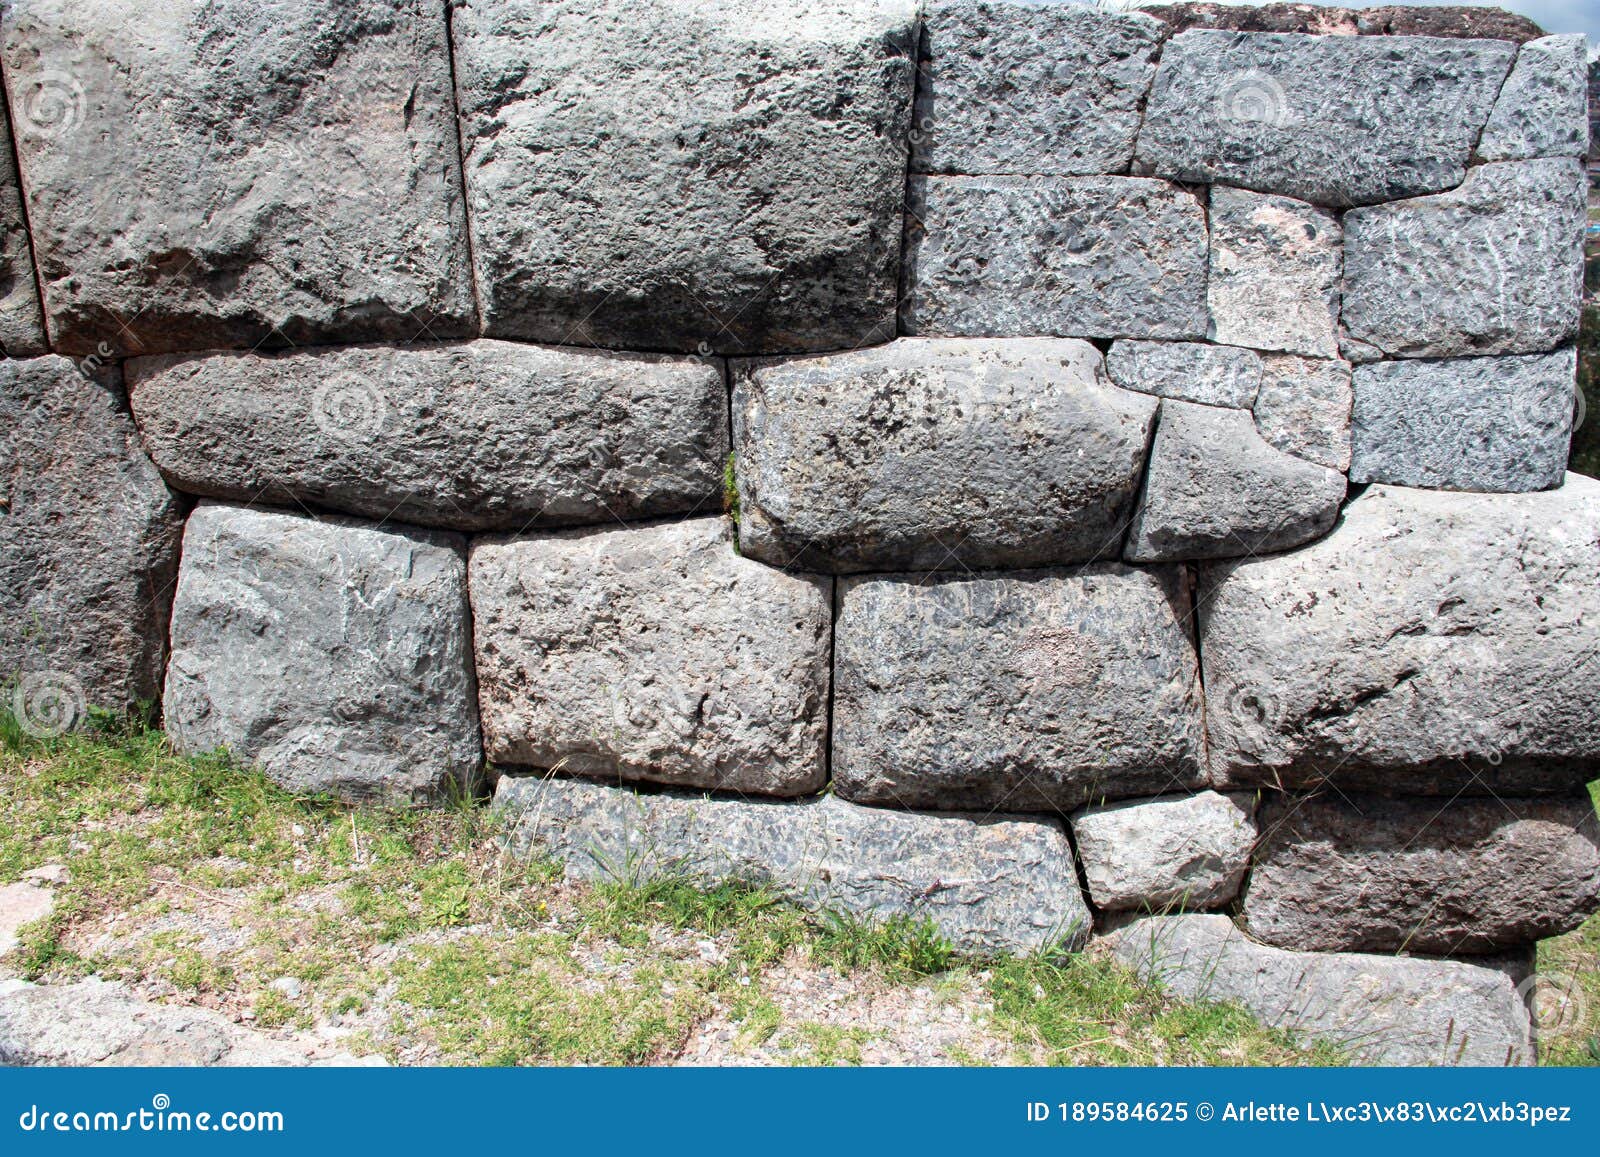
{"points": [[1493, 267], [989, 884], [471, 436], [21, 322], [1434, 643], [21, 904], [1334, 120], [727, 175], [938, 453], [1366, 873], [1543, 107], [1216, 489], [1177, 851], [653, 653], [222, 174], [1488, 424], [1064, 256], [1303, 408], [1032, 692], [1274, 276], [1190, 371], [1379, 1010], [332, 654], [1030, 88]]}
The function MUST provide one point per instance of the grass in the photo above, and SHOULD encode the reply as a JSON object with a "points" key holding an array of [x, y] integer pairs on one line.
{"points": [[1572, 999]]}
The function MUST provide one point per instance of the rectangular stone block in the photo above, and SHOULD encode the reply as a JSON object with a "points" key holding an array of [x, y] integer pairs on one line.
{"points": [[1303, 408], [1543, 110], [1170, 852], [1190, 371], [1274, 273], [21, 322]]}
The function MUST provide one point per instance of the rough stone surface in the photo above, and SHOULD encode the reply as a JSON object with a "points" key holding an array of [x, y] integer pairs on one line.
{"points": [[651, 175], [219, 174], [1489, 424], [1190, 371], [1381, 1010], [1066, 256], [933, 453], [88, 544], [21, 904], [1543, 108], [21, 323], [1033, 692], [1274, 280], [1494, 267], [1179, 851], [1434, 643], [471, 436], [1303, 408], [989, 884], [1373, 874], [1216, 489], [1334, 120], [1383, 20], [332, 654], [1028, 88], [653, 653]]}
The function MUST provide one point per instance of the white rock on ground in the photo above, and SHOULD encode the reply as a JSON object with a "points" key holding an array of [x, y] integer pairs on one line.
{"points": [[22, 904], [1177, 851]]}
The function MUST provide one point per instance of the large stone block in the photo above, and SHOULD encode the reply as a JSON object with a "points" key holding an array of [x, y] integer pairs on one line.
{"points": [[471, 436], [21, 322], [1177, 851], [1303, 408], [1493, 267], [931, 453], [653, 653], [1335, 120], [225, 174], [990, 884], [1066, 256], [88, 545], [1274, 279], [1380, 20], [1033, 692], [332, 654], [1190, 371], [1434, 643], [1543, 110], [1353, 872], [647, 174]]}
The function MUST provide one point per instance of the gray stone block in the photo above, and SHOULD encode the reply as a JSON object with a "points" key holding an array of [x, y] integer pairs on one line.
{"points": [[1543, 110], [1214, 375], [1303, 408], [1176, 851], [21, 322], [1274, 277]]}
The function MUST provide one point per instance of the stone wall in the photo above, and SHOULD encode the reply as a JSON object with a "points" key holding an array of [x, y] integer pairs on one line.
{"points": [[1062, 472]]}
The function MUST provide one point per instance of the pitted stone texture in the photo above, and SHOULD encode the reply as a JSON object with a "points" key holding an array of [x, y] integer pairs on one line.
{"points": [[1375, 874], [1494, 267], [1303, 408], [223, 174], [1334, 120], [652, 653], [1383, 20], [990, 884], [21, 323], [88, 541], [933, 453], [1380, 1010], [471, 436], [333, 655], [1035, 692], [1434, 643], [1274, 280], [1216, 489], [1064, 256], [1543, 108], [1189, 371], [725, 176], [1029, 88], [1177, 851], [1487, 424]]}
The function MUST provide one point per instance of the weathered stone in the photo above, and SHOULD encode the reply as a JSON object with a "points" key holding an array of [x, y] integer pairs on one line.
{"points": [[1494, 267], [990, 884], [1434, 643], [472, 436], [1033, 692], [332, 654], [931, 453], [1028, 88], [1303, 408], [1543, 108], [1274, 281], [652, 653], [225, 174], [88, 545], [1380, 1010], [1066, 256], [1178, 851], [1363, 873], [21, 904], [650, 175], [21, 323], [1335, 120], [1489, 424], [1216, 489], [1383, 20], [1190, 371]]}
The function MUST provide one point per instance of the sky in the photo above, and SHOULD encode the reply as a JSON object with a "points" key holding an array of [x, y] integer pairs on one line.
{"points": [[1551, 15]]}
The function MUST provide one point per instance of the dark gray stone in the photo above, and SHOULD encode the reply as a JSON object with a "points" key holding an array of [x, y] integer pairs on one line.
{"points": [[1215, 375], [1380, 20], [1274, 276], [1303, 408], [1543, 110], [21, 322], [1175, 851]]}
